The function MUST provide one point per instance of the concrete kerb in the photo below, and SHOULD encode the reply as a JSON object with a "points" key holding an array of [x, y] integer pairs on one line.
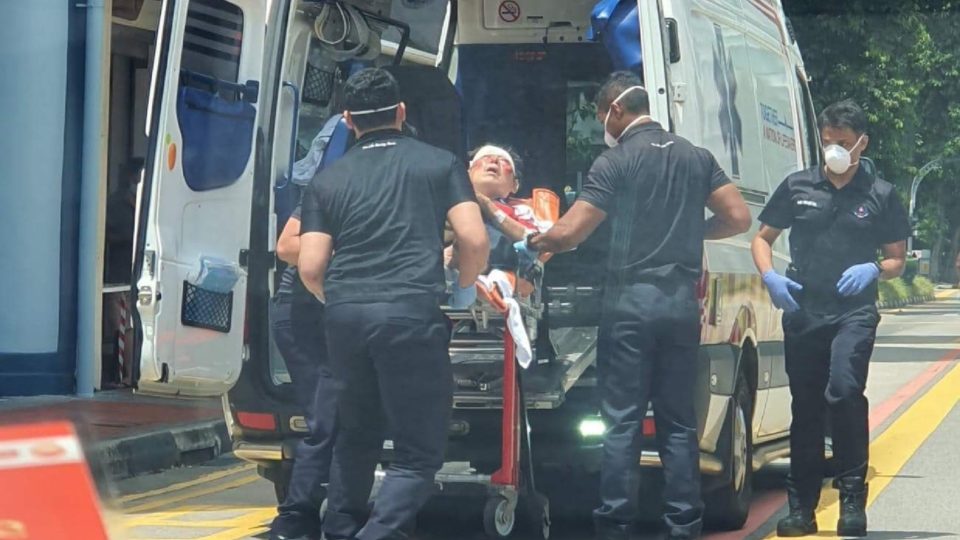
{"points": [[907, 302], [116, 459]]}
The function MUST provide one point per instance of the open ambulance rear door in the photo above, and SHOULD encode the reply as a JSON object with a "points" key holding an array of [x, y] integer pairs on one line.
{"points": [[195, 207]]}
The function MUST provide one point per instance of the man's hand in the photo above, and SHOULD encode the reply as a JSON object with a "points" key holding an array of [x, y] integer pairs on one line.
{"points": [[573, 228], [779, 288], [527, 254], [462, 297], [857, 278]]}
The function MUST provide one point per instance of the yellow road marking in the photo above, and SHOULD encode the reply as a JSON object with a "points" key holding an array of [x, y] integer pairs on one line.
{"points": [[252, 524], [192, 494], [170, 518], [893, 448], [189, 483]]}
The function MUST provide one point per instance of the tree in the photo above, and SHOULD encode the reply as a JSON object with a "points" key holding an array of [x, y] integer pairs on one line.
{"points": [[901, 61]]}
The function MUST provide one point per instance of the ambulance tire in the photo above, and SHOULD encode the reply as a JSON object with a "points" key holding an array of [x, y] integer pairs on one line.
{"points": [[728, 507], [536, 517]]}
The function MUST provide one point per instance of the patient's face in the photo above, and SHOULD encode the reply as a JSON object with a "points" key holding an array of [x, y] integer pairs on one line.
{"points": [[494, 177]]}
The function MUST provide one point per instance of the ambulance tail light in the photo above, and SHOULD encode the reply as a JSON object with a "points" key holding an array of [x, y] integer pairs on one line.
{"points": [[257, 421]]}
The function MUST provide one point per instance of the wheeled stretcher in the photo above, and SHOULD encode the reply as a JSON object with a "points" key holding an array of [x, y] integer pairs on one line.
{"points": [[504, 323]]}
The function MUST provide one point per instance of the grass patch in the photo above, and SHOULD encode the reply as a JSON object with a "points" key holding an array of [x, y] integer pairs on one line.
{"points": [[898, 290], [923, 286]]}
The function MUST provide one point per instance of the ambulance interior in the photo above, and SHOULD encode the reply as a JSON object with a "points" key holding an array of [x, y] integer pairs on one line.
{"points": [[531, 89]]}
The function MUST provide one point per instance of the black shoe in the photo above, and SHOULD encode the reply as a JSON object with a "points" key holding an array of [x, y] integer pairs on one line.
{"points": [[799, 523], [295, 533], [853, 507], [280, 536]]}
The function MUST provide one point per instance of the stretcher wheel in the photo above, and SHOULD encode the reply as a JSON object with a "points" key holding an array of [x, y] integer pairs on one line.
{"points": [[537, 517], [499, 518]]}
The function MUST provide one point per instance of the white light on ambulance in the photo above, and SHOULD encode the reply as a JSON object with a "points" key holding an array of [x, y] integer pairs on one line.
{"points": [[591, 428]]}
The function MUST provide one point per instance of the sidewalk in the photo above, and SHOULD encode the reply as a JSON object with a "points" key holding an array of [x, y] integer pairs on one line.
{"points": [[126, 434], [944, 294]]}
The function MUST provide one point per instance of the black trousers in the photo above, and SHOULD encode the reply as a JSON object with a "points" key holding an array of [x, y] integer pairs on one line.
{"points": [[394, 363], [647, 352], [298, 332], [827, 359]]}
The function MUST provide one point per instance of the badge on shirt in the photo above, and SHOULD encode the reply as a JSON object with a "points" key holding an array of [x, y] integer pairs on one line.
{"points": [[861, 212]]}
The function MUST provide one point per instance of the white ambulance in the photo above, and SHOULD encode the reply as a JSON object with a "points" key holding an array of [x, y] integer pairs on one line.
{"points": [[243, 89]]}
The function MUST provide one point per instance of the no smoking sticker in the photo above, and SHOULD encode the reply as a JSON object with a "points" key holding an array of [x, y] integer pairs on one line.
{"points": [[509, 11]]}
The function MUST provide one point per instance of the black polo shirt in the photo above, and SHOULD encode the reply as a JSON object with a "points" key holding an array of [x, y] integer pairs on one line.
{"points": [[833, 229], [385, 203], [653, 187]]}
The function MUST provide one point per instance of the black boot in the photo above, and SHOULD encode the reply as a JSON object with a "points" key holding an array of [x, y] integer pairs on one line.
{"points": [[802, 520], [853, 506]]}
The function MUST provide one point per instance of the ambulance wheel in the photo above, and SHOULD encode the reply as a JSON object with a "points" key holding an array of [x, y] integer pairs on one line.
{"points": [[728, 507], [537, 517], [499, 519]]}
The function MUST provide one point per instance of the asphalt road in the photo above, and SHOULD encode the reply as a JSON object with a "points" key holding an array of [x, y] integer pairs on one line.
{"points": [[914, 386]]}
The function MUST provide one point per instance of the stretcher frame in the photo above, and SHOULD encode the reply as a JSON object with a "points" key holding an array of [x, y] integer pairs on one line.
{"points": [[511, 484]]}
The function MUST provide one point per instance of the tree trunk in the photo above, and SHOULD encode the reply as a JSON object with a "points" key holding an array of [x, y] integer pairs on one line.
{"points": [[954, 252], [936, 258]]}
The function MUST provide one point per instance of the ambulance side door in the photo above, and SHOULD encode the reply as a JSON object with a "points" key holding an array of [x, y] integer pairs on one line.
{"points": [[656, 76], [195, 203]]}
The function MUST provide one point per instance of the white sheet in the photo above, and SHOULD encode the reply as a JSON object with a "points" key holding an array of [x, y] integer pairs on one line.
{"points": [[499, 279]]}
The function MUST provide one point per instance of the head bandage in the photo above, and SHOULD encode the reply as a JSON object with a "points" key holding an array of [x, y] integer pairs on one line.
{"points": [[490, 150], [373, 111]]}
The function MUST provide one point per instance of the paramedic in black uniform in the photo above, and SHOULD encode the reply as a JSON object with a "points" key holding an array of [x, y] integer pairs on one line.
{"points": [[653, 186], [382, 207], [296, 318], [840, 218]]}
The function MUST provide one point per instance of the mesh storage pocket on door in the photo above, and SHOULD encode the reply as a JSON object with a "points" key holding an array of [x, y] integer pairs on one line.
{"points": [[318, 84], [206, 309]]}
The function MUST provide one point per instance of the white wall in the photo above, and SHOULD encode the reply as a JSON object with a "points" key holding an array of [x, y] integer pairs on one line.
{"points": [[33, 77]]}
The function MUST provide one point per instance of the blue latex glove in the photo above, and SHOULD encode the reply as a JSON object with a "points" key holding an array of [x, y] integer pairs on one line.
{"points": [[462, 297], [527, 255], [779, 288], [857, 278]]}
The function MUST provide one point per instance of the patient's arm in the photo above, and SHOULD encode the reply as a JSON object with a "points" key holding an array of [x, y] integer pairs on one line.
{"points": [[512, 228], [573, 228], [472, 242]]}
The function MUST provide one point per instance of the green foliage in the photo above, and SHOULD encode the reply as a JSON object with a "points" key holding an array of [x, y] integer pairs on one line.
{"points": [[894, 291], [900, 59], [899, 291], [923, 286]]}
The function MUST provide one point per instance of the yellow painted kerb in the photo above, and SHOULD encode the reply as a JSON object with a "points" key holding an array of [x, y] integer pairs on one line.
{"points": [[893, 448]]}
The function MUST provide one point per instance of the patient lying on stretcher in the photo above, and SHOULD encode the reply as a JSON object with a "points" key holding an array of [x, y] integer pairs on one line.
{"points": [[495, 177]]}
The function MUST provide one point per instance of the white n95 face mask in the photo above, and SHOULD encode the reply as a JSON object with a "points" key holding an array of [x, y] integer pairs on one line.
{"points": [[838, 158], [607, 137]]}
